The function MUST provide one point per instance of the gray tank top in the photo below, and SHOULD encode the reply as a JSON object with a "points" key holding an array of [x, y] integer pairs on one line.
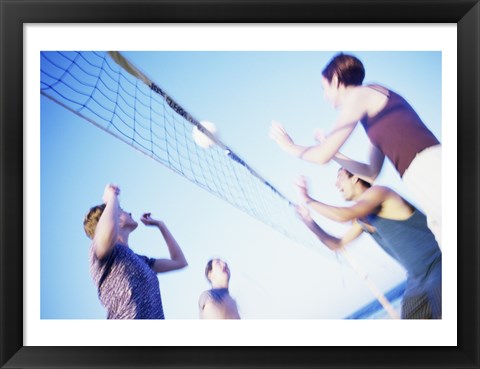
{"points": [[409, 241]]}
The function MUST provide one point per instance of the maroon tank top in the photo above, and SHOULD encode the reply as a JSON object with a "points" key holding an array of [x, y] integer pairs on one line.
{"points": [[398, 131]]}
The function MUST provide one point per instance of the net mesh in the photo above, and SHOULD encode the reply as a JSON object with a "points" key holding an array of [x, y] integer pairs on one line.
{"points": [[111, 93]]}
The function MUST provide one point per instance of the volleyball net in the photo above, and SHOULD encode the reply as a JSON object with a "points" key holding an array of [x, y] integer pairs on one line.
{"points": [[107, 90]]}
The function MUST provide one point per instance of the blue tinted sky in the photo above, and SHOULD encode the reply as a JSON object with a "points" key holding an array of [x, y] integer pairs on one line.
{"points": [[241, 92]]}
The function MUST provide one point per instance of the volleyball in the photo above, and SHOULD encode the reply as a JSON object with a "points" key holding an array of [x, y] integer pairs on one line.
{"points": [[202, 139]]}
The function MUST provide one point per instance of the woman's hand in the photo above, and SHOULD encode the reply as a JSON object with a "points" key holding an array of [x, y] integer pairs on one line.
{"points": [[280, 136], [149, 221]]}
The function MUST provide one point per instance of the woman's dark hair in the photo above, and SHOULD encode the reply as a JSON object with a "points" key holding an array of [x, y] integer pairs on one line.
{"points": [[350, 175], [348, 69], [208, 268]]}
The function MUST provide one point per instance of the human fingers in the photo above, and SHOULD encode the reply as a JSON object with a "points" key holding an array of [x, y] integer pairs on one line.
{"points": [[274, 130], [277, 127], [109, 191], [279, 135], [148, 220], [300, 181], [145, 218]]}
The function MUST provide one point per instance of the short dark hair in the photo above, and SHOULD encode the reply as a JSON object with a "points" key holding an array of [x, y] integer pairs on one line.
{"points": [[348, 69], [208, 268], [91, 220], [350, 174]]}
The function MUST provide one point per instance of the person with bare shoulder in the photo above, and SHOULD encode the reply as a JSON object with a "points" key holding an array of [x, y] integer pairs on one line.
{"points": [[217, 303], [126, 282], [393, 127], [397, 227]]}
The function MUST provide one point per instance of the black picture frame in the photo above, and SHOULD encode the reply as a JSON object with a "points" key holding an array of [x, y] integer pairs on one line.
{"points": [[14, 14]]}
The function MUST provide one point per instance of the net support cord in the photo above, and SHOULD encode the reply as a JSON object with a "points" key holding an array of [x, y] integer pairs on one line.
{"points": [[371, 285]]}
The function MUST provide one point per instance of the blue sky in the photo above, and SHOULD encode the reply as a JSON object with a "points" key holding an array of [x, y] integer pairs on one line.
{"points": [[241, 92]]}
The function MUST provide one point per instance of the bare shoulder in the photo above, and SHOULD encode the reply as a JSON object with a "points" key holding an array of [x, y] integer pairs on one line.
{"points": [[392, 195], [378, 190], [204, 297], [395, 206], [357, 95], [388, 195], [377, 194], [385, 190], [354, 106], [374, 99]]}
